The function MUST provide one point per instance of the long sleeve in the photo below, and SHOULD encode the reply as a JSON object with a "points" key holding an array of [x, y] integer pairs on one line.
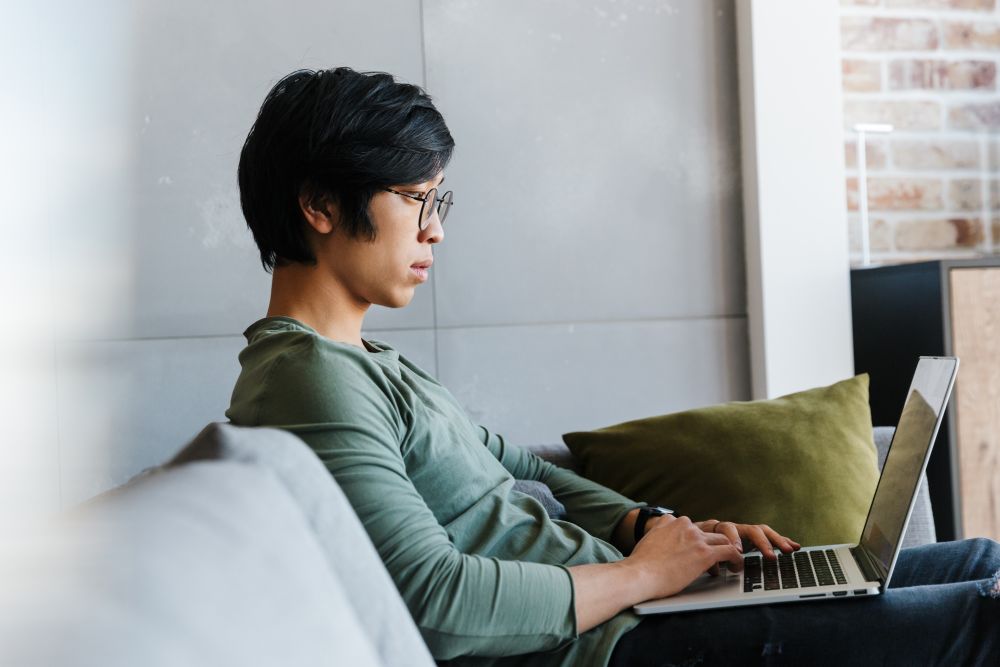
{"points": [[592, 506], [354, 419]]}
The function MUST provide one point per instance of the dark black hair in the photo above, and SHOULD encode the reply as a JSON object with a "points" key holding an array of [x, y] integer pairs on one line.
{"points": [[339, 135]]}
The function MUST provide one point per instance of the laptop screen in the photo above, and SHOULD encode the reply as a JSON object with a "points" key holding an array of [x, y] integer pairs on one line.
{"points": [[907, 458]]}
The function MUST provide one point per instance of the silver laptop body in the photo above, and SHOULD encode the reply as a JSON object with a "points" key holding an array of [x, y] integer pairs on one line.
{"points": [[860, 569]]}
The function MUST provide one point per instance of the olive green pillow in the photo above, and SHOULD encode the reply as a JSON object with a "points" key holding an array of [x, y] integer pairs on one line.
{"points": [[804, 464]]}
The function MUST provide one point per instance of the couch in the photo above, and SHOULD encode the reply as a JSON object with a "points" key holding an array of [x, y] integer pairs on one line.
{"points": [[240, 550]]}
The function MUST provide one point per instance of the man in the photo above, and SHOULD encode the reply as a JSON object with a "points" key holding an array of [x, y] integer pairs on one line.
{"points": [[341, 182]]}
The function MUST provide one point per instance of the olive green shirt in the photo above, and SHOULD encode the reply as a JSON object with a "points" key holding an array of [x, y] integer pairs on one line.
{"points": [[481, 567]]}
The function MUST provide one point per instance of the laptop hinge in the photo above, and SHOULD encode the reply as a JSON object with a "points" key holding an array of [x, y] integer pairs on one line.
{"points": [[865, 564]]}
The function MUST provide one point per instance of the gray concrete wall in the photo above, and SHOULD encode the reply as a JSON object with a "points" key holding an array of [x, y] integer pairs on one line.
{"points": [[592, 269]]}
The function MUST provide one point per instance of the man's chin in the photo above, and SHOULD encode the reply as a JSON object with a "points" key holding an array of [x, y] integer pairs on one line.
{"points": [[398, 300]]}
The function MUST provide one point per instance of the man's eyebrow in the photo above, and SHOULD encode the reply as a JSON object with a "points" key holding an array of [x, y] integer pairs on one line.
{"points": [[438, 185]]}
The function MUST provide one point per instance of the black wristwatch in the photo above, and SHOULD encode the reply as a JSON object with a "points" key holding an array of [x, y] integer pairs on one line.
{"points": [[644, 514]]}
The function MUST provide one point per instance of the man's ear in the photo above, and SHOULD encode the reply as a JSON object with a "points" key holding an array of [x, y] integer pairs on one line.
{"points": [[317, 210]]}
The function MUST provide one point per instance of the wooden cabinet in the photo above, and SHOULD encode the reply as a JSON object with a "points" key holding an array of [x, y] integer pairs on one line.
{"points": [[941, 307]]}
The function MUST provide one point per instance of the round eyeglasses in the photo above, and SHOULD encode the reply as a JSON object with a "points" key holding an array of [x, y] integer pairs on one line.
{"points": [[444, 203]]}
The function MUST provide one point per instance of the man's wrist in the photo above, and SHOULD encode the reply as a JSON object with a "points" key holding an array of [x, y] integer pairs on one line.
{"points": [[652, 521], [639, 579], [622, 536], [647, 514]]}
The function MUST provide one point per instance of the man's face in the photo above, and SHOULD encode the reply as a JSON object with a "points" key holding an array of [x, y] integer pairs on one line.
{"points": [[380, 272]]}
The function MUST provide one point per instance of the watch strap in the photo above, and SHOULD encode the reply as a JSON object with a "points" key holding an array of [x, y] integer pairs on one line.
{"points": [[643, 517]]}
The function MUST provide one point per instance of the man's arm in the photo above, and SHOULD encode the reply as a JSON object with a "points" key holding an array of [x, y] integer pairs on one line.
{"points": [[666, 559], [623, 536], [463, 604], [592, 506], [602, 590], [671, 554]]}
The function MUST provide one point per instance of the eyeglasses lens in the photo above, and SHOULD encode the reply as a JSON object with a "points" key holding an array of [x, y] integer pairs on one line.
{"points": [[445, 206], [427, 210]]}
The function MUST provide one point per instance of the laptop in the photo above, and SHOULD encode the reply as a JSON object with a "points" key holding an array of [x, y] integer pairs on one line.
{"points": [[840, 570]]}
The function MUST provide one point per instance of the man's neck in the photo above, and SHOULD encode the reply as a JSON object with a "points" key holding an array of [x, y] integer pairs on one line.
{"points": [[300, 292]]}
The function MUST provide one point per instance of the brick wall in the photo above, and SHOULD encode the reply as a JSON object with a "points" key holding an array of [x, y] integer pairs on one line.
{"points": [[928, 67]]}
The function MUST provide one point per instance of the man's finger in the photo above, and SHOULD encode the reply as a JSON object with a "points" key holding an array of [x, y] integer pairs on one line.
{"points": [[780, 540], [727, 552], [760, 541], [716, 538], [732, 533]]}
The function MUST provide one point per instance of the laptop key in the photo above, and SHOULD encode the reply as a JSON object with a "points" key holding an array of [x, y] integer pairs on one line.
{"points": [[771, 580], [752, 574], [823, 573], [838, 573], [786, 566], [804, 568]]}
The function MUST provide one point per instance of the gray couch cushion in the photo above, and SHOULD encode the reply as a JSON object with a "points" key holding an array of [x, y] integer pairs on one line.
{"points": [[349, 552], [209, 564], [559, 454], [543, 494]]}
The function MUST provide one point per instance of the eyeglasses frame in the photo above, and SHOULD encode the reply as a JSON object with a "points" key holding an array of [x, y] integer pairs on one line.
{"points": [[423, 200]]}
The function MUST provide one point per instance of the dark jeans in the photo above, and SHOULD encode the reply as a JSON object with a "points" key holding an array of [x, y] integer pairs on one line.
{"points": [[937, 611]]}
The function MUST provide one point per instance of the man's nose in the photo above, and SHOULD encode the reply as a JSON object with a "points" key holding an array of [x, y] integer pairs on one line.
{"points": [[434, 231]]}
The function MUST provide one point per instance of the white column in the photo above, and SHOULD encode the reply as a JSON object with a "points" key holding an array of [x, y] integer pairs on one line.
{"points": [[798, 280]]}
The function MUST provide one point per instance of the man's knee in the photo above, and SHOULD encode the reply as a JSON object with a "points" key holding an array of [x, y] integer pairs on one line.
{"points": [[989, 550], [985, 548]]}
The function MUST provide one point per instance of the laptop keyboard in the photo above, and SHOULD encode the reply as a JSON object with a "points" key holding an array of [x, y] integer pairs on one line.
{"points": [[801, 569]]}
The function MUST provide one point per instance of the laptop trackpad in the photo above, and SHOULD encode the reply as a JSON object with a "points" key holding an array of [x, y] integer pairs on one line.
{"points": [[724, 581], [700, 593]]}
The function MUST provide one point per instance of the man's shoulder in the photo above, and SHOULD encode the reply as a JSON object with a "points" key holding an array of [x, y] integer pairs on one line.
{"points": [[304, 351], [311, 363], [292, 375]]}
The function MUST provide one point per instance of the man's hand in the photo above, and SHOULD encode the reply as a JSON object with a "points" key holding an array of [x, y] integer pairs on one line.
{"points": [[760, 535], [673, 552]]}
